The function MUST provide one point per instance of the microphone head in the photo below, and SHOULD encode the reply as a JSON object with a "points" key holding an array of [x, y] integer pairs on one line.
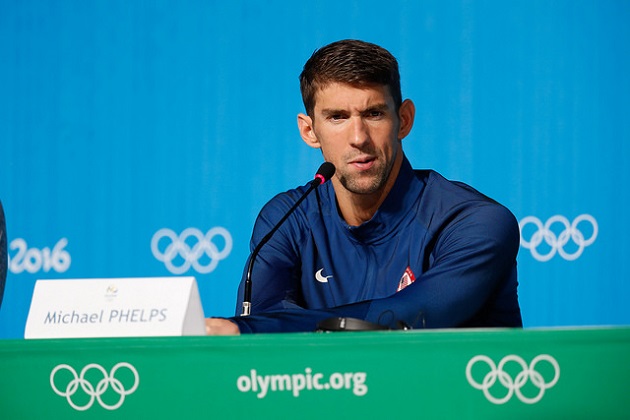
{"points": [[324, 173]]}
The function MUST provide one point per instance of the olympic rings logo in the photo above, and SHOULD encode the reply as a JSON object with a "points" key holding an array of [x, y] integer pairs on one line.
{"points": [[94, 392], [179, 247], [557, 242], [514, 386]]}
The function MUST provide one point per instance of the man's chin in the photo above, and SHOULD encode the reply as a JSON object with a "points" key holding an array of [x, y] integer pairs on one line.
{"points": [[362, 186]]}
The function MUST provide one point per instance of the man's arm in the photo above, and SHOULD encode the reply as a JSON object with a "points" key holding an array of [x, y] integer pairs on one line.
{"points": [[275, 275], [472, 281]]}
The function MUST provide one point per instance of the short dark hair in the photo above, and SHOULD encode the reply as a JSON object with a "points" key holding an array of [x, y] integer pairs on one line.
{"points": [[350, 61]]}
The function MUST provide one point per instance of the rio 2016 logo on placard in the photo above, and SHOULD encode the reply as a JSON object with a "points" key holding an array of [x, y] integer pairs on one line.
{"points": [[34, 260], [567, 239], [179, 256]]}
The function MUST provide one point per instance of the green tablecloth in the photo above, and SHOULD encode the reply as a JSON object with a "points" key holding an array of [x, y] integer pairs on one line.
{"points": [[534, 374]]}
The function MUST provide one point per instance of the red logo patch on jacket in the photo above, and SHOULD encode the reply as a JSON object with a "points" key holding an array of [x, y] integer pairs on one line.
{"points": [[406, 279]]}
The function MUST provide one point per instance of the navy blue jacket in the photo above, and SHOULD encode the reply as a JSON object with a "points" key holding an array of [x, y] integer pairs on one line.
{"points": [[437, 254]]}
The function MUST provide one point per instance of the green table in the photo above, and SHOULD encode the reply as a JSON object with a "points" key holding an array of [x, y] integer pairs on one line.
{"points": [[533, 374]]}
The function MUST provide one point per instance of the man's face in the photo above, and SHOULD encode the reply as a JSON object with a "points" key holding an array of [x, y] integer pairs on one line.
{"points": [[358, 130]]}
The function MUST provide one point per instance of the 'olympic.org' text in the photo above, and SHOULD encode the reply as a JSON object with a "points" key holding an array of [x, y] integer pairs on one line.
{"points": [[298, 382]]}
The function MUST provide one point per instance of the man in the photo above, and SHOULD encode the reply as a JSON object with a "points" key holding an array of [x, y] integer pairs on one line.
{"points": [[380, 242]]}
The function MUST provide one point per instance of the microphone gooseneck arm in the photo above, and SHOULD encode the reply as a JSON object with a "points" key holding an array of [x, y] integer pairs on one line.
{"points": [[325, 172]]}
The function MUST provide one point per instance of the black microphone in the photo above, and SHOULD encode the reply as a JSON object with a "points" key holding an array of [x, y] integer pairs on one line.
{"points": [[324, 173]]}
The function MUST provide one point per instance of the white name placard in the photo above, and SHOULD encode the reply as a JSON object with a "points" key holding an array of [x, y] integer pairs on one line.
{"points": [[118, 307]]}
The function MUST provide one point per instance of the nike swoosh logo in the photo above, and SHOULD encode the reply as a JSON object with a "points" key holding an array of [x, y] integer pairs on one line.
{"points": [[320, 278]]}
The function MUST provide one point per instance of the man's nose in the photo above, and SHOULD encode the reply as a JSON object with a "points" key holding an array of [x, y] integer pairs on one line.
{"points": [[360, 133]]}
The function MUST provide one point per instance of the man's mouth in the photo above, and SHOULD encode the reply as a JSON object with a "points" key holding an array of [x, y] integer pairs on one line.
{"points": [[363, 163]]}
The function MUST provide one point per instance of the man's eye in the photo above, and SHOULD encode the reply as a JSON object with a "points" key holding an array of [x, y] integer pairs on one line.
{"points": [[375, 114], [336, 117]]}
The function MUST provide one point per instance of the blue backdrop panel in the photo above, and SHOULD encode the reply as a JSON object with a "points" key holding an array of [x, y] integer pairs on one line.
{"points": [[142, 138]]}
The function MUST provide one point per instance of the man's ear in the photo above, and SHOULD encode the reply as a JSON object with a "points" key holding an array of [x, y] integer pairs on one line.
{"points": [[406, 115], [305, 125]]}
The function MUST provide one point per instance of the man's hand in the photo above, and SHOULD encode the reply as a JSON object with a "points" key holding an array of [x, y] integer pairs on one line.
{"points": [[219, 326]]}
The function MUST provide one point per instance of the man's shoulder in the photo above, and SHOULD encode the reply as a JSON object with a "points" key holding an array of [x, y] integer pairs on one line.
{"points": [[442, 188], [315, 202], [451, 198], [455, 208]]}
